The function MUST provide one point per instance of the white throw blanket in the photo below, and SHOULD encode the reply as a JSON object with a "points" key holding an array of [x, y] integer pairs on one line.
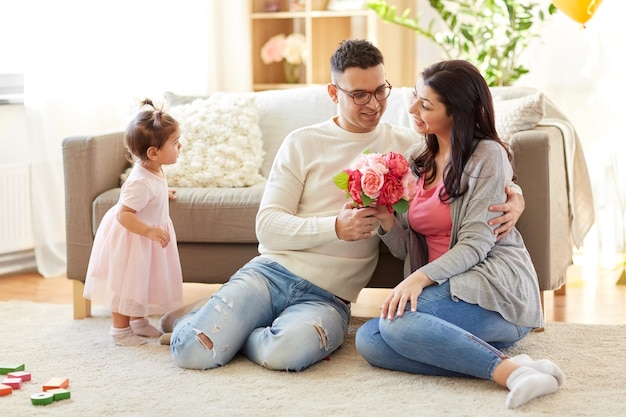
{"points": [[580, 197]]}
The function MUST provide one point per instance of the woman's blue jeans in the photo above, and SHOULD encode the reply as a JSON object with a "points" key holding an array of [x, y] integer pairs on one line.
{"points": [[272, 316], [444, 337]]}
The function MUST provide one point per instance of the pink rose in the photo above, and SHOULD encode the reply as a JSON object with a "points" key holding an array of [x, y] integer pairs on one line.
{"points": [[396, 163], [391, 192], [354, 185], [409, 185], [359, 162], [372, 181], [375, 161]]}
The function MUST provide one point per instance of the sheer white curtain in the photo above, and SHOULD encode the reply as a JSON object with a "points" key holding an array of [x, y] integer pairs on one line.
{"points": [[87, 62]]}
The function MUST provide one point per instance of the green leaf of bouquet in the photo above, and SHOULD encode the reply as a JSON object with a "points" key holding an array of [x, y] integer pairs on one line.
{"points": [[341, 180], [365, 199], [401, 206]]}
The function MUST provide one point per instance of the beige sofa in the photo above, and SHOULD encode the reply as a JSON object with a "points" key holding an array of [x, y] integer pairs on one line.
{"points": [[215, 226]]}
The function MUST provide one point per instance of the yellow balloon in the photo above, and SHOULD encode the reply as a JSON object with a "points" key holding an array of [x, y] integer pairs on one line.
{"points": [[579, 10]]}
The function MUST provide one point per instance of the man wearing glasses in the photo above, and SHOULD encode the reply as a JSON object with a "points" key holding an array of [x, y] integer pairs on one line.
{"points": [[290, 307], [361, 98]]}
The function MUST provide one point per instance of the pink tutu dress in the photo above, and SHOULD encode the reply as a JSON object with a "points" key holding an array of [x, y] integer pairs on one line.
{"points": [[129, 273]]}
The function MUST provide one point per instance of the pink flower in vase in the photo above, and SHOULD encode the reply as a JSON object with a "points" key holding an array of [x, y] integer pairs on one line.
{"points": [[291, 48], [273, 49]]}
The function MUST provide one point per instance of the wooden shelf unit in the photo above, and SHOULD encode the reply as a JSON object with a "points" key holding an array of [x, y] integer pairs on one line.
{"points": [[324, 30]]}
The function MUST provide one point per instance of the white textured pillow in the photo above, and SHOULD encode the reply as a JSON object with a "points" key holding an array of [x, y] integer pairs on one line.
{"points": [[515, 114], [221, 143]]}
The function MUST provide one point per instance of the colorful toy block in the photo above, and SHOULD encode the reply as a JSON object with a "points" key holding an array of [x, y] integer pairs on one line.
{"points": [[60, 394], [5, 390], [23, 375], [42, 398], [5, 369], [56, 382], [15, 383]]}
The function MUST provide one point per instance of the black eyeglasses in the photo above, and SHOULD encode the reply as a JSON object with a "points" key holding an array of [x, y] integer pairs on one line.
{"points": [[361, 97]]}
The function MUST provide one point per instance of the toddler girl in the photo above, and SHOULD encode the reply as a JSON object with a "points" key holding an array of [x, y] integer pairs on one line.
{"points": [[134, 259]]}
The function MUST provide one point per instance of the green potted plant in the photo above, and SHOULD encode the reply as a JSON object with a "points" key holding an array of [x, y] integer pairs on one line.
{"points": [[492, 34]]}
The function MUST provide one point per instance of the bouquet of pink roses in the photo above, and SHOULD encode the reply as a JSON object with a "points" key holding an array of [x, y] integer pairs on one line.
{"points": [[381, 178]]}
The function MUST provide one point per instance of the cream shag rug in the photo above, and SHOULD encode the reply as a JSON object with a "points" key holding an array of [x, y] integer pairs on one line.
{"points": [[108, 380]]}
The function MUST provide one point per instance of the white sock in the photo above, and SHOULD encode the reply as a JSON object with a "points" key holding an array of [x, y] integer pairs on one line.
{"points": [[527, 383], [125, 337], [142, 327], [542, 365]]}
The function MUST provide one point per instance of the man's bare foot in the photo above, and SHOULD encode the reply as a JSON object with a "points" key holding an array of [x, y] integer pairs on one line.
{"points": [[168, 319], [165, 339]]}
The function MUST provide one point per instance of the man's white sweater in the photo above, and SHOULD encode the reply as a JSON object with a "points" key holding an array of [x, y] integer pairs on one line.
{"points": [[295, 224]]}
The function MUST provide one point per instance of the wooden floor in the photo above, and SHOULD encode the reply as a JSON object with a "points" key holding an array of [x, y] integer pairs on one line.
{"points": [[591, 297]]}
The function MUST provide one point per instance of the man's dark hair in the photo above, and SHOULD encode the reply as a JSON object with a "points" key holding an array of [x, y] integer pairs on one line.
{"points": [[355, 53]]}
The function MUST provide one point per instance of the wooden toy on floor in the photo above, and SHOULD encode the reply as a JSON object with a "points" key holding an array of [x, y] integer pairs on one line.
{"points": [[60, 394], [6, 368], [49, 396], [42, 398], [56, 382], [24, 376], [15, 383], [5, 390]]}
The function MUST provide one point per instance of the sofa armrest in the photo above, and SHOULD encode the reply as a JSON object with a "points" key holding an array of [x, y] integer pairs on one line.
{"points": [[91, 165], [539, 163]]}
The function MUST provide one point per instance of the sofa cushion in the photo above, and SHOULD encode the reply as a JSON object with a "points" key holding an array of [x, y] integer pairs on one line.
{"points": [[516, 112], [221, 142], [282, 111], [173, 99], [220, 215]]}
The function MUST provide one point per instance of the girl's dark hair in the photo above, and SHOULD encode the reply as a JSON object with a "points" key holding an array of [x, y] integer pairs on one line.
{"points": [[150, 127], [466, 95], [355, 53]]}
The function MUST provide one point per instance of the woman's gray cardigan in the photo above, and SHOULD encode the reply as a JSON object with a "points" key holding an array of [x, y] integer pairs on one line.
{"points": [[497, 275]]}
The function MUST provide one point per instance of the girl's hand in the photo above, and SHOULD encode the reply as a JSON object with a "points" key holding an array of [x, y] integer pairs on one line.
{"points": [[158, 235], [128, 218], [171, 193], [406, 291]]}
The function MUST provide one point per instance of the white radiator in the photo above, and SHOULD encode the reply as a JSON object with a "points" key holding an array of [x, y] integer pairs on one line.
{"points": [[16, 234]]}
